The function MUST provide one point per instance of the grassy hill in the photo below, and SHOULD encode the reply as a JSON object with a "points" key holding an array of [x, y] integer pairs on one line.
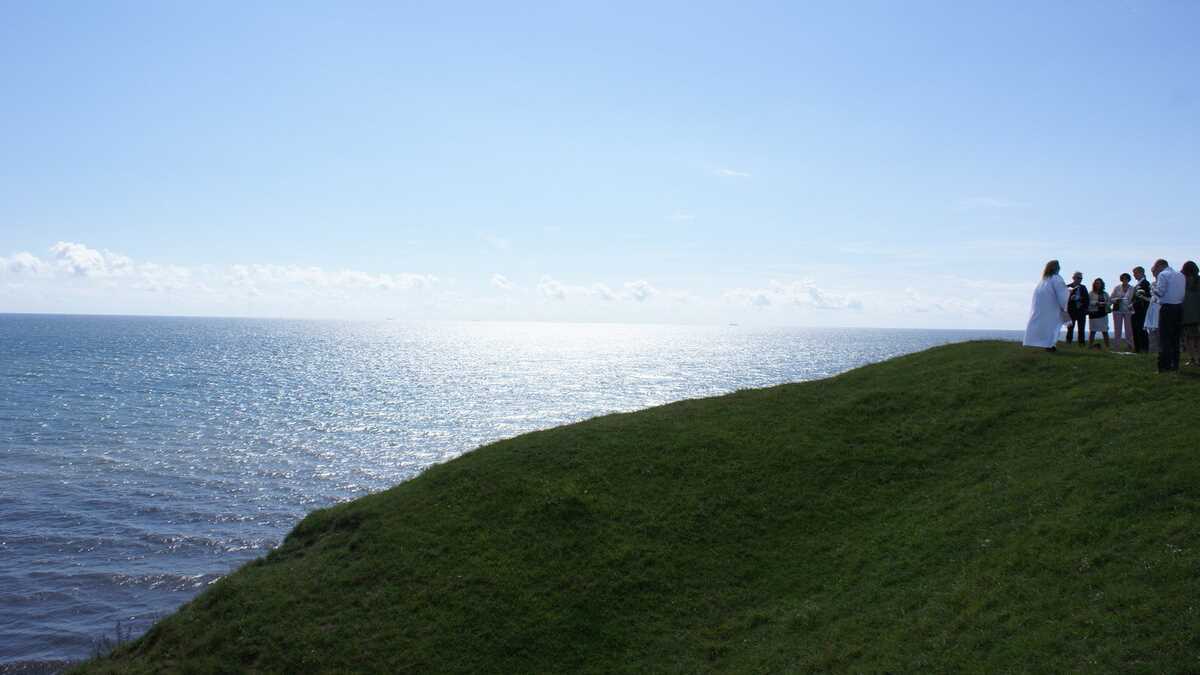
{"points": [[975, 507]]}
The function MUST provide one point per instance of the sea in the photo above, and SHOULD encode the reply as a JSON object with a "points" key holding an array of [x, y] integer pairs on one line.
{"points": [[142, 458]]}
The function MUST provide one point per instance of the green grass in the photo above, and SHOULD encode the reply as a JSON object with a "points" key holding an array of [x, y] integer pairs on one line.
{"points": [[976, 507]]}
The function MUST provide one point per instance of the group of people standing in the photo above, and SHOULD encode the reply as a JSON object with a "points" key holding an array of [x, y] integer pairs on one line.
{"points": [[1146, 316]]}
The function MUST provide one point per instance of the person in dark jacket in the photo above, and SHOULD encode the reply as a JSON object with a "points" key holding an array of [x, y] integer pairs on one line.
{"points": [[1191, 312], [1077, 306], [1141, 303]]}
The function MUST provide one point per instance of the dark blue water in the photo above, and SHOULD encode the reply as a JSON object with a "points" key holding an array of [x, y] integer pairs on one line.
{"points": [[143, 458]]}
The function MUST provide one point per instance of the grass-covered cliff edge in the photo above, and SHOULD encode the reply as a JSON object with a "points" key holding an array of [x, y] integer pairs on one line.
{"points": [[973, 507]]}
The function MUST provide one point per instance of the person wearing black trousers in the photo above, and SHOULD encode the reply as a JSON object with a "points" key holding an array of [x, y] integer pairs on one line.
{"points": [[1170, 290], [1077, 306], [1141, 303]]}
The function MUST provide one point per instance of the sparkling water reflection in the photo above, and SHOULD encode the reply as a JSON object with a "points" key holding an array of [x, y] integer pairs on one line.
{"points": [[145, 457]]}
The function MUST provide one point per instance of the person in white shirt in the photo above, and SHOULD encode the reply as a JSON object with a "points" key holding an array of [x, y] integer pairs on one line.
{"points": [[1122, 313], [1169, 288], [1048, 311]]}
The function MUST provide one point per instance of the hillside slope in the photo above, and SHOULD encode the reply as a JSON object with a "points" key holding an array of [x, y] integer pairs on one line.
{"points": [[973, 507]]}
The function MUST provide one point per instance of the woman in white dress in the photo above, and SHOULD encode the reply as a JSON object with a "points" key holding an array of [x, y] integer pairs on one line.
{"points": [[1048, 311], [1151, 324]]}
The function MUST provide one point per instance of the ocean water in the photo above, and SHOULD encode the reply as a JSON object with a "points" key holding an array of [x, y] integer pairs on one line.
{"points": [[143, 458]]}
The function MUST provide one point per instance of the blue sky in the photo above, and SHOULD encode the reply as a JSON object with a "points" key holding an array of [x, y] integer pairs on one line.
{"points": [[862, 163]]}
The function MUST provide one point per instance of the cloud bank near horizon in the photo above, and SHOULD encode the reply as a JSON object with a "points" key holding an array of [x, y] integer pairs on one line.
{"points": [[76, 277]]}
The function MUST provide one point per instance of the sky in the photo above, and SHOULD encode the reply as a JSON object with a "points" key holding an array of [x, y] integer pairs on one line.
{"points": [[854, 163]]}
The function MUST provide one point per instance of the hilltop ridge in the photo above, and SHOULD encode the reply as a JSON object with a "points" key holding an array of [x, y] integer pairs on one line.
{"points": [[976, 507]]}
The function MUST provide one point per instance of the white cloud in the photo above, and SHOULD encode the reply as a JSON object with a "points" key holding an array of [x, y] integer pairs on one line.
{"points": [[82, 261], [408, 281], [640, 290], [730, 173], [802, 293], [603, 292], [749, 296], [807, 293], [259, 275], [550, 288], [500, 281], [24, 264], [77, 277], [635, 291]]}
